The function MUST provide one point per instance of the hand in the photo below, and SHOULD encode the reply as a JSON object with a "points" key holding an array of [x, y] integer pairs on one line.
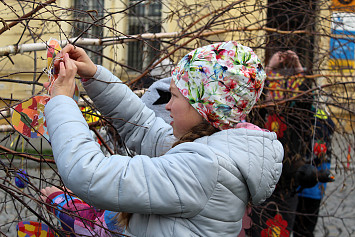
{"points": [[86, 68], [288, 59], [277, 60], [292, 61], [65, 83], [48, 191]]}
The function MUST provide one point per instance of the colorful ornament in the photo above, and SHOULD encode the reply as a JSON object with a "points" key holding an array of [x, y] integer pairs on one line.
{"points": [[274, 124], [90, 115], [21, 179], [320, 149], [76, 94], [321, 114], [276, 227], [28, 117], [34, 229], [53, 49]]}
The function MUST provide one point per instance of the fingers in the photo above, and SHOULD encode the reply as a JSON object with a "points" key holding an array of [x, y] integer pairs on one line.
{"points": [[290, 52], [74, 53], [67, 69], [43, 191], [276, 60], [47, 191], [45, 194], [62, 71], [288, 59], [292, 61], [85, 67], [290, 55], [65, 83], [66, 50], [43, 198]]}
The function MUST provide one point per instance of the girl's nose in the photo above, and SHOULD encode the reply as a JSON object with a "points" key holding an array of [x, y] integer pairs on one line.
{"points": [[168, 105]]}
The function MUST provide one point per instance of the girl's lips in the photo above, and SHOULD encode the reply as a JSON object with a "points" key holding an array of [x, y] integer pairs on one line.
{"points": [[171, 123]]}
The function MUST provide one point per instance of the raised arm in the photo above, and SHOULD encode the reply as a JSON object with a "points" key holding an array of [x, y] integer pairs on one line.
{"points": [[136, 123], [143, 184]]}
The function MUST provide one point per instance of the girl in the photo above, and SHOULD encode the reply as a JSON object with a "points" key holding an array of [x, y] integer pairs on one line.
{"points": [[198, 186]]}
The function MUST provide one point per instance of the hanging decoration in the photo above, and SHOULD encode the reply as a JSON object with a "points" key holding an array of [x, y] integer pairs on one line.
{"points": [[28, 117], [320, 148], [21, 179], [276, 227], [34, 229], [275, 124]]}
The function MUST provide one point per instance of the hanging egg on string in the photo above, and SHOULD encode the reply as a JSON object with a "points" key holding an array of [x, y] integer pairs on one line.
{"points": [[21, 179], [320, 149], [33, 228]]}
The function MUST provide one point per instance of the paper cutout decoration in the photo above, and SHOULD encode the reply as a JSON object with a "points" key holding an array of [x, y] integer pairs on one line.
{"points": [[276, 227], [21, 179], [28, 117], [275, 124], [34, 229]]}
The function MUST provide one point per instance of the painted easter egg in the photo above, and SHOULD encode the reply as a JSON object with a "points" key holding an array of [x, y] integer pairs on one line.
{"points": [[28, 117], [32, 228], [21, 179]]}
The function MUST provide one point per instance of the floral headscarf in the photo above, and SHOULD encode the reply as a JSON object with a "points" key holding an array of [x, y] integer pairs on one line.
{"points": [[221, 81]]}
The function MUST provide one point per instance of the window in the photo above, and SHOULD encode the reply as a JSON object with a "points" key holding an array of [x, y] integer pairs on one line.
{"points": [[84, 21], [143, 18]]}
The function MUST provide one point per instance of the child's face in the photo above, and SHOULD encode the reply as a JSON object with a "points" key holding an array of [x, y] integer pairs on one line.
{"points": [[183, 114]]}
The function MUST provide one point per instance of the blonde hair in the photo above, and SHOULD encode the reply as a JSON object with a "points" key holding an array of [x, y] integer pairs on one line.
{"points": [[200, 130], [123, 219]]}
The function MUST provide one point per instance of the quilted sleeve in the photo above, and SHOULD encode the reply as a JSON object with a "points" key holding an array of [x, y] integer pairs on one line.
{"points": [[178, 183], [132, 119]]}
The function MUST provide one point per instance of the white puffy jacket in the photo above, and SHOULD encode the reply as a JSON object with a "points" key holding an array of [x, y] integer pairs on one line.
{"points": [[198, 188]]}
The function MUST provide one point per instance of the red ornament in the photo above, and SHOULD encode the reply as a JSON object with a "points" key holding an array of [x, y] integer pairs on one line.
{"points": [[274, 124], [320, 149], [276, 227]]}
